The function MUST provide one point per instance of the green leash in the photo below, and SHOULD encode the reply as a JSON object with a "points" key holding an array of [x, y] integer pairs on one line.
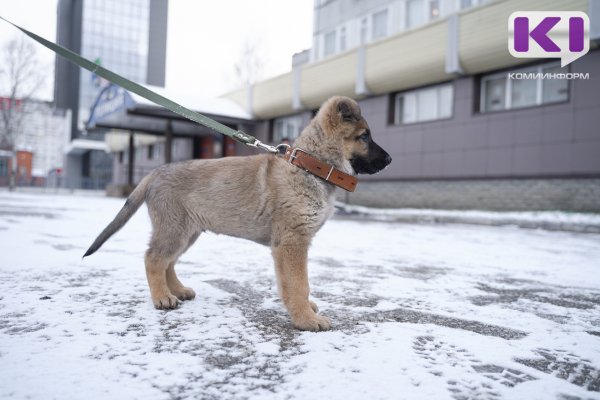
{"points": [[146, 93]]}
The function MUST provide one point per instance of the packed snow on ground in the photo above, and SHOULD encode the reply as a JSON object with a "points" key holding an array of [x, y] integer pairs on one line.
{"points": [[418, 311]]}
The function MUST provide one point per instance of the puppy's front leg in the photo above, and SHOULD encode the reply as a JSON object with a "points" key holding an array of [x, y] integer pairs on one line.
{"points": [[292, 279]]}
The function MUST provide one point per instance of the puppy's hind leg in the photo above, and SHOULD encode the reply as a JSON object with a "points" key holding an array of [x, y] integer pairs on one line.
{"points": [[175, 286], [156, 272], [163, 251]]}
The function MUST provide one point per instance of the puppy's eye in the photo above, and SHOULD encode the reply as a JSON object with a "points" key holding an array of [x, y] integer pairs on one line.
{"points": [[365, 137]]}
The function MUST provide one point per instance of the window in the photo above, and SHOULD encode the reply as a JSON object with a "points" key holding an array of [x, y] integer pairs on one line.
{"points": [[426, 104], [380, 25], [287, 128], [415, 13], [342, 38], [434, 9], [120, 157], [524, 87], [405, 109], [329, 45], [150, 152], [470, 3], [496, 94], [554, 90], [465, 4], [445, 101], [3, 166], [158, 150], [523, 93], [419, 12]]}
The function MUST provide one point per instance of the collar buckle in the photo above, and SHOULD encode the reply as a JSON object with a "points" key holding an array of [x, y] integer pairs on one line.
{"points": [[293, 155]]}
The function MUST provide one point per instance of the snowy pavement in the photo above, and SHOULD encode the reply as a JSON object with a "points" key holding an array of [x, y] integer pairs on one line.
{"points": [[418, 312]]}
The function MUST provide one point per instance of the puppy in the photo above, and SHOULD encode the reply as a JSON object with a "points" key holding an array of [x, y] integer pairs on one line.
{"points": [[262, 198]]}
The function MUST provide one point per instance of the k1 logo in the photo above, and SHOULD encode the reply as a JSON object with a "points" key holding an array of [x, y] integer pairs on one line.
{"points": [[549, 34]]}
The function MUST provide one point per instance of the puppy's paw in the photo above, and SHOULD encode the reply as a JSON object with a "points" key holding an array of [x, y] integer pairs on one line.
{"points": [[167, 302], [314, 306], [185, 293], [312, 322]]}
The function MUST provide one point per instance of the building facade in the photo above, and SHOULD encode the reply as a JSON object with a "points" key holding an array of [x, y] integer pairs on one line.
{"points": [[467, 124], [125, 36], [43, 132], [341, 25]]}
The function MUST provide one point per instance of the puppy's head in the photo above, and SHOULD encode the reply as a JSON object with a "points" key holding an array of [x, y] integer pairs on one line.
{"points": [[342, 122]]}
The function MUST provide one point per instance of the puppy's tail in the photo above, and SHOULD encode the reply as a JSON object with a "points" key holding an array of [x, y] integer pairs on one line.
{"points": [[133, 203]]}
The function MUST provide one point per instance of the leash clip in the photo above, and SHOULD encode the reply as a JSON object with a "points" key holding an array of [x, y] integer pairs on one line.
{"points": [[271, 149]]}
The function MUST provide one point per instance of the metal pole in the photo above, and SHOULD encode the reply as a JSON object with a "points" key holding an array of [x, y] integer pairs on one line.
{"points": [[168, 141], [131, 159]]}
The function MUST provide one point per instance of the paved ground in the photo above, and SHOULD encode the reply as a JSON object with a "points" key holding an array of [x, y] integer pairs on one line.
{"points": [[418, 311]]}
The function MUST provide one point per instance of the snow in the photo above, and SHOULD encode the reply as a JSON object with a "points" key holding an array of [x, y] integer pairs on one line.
{"points": [[419, 311]]}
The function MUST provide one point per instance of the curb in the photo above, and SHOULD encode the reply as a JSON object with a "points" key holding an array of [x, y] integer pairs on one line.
{"points": [[453, 217]]}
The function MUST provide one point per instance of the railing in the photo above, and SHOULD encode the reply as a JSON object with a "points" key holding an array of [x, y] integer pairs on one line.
{"points": [[57, 182]]}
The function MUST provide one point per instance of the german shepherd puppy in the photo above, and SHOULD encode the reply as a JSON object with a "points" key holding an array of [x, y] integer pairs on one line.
{"points": [[261, 198]]}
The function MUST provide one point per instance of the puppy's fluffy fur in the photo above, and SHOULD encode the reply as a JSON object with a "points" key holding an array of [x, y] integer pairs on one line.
{"points": [[261, 198]]}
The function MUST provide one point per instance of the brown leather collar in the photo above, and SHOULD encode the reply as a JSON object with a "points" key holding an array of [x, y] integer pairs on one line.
{"points": [[301, 159]]}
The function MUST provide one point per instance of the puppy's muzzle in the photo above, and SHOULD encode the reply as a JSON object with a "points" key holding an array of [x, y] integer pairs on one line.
{"points": [[375, 160]]}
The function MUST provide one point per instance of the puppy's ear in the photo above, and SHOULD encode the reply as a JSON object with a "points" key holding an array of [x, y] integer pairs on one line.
{"points": [[345, 111], [337, 111]]}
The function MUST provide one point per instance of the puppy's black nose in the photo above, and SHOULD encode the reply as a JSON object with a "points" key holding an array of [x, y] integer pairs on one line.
{"points": [[388, 159]]}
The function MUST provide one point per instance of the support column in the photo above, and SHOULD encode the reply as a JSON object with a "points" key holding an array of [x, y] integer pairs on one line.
{"points": [[131, 163], [169, 142], [452, 65], [360, 86], [296, 83], [196, 147]]}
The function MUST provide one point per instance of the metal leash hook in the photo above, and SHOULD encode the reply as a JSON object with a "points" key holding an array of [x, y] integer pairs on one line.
{"points": [[271, 149]]}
